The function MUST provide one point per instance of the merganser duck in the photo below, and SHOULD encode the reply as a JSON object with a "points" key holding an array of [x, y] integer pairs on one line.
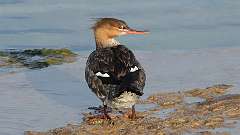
{"points": [[112, 71]]}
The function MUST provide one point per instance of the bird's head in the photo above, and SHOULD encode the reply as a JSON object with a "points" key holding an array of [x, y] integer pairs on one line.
{"points": [[106, 29]]}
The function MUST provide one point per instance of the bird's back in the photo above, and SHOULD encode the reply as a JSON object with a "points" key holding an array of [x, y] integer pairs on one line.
{"points": [[111, 71]]}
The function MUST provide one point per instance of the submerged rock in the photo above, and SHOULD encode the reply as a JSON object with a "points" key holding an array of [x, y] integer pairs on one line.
{"points": [[197, 118], [36, 58], [209, 92]]}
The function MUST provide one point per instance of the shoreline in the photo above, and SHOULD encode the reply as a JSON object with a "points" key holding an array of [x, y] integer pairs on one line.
{"points": [[36, 100], [217, 112]]}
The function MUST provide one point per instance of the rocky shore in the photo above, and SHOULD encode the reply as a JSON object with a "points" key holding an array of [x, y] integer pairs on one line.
{"points": [[200, 111]]}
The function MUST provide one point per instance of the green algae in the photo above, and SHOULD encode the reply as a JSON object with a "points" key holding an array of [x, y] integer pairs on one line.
{"points": [[36, 58], [48, 52], [64, 52], [3, 54]]}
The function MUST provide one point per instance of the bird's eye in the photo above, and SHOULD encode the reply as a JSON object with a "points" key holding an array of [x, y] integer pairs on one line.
{"points": [[121, 27]]}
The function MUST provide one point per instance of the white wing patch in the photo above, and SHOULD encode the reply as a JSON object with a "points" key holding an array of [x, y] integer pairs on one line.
{"points": [[102, 75], [134, 69]]}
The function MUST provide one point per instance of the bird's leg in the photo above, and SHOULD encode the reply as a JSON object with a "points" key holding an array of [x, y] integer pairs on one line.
{"points": [[102, 114], [133, 114], [105, 112], [130, 114]]}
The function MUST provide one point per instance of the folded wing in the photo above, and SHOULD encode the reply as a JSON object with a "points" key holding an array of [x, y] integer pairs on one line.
{"points": [[114, 70]]}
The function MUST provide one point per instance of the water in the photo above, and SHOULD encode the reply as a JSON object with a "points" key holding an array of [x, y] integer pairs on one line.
{"points": [[192, 44], [185, 24]]}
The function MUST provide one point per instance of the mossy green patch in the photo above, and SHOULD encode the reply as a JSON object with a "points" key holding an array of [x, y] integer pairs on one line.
{"points": [[64, 52], [54, 61], [39, 58], [3, 54]]}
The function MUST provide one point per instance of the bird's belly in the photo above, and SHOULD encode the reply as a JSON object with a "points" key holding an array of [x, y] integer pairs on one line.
{"points": [[125, 100]]}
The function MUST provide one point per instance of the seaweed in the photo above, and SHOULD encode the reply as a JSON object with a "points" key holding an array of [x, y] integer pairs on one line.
{"points": [[36, 58]]}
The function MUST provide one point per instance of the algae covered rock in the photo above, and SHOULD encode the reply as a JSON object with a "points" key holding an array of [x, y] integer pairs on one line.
{"points": [[36, 58]]}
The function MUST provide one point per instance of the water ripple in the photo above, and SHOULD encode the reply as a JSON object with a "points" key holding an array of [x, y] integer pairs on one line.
{"points": [[4, 2], [29, 31], [15, 17]]}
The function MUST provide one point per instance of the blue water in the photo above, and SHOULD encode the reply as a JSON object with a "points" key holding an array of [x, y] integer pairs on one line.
{"points": [[193, 43], [185, 24]]}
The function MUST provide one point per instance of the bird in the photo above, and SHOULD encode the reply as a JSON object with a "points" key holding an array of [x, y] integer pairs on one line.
{"points": [[112, 71]]}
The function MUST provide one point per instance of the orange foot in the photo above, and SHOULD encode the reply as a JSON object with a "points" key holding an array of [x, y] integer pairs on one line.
{"points": [[130, 115], [100, 116], [97, 119]]}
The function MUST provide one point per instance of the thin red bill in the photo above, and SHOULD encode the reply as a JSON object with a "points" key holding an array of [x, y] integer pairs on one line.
{"points": [[132, 31]]}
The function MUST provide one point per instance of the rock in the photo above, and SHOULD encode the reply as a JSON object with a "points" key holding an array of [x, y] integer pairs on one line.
{"points": [[36, 58]]}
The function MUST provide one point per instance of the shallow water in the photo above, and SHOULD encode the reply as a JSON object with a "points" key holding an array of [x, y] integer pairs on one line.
{"points": [[192, 44], [173, 24], [57, 95]]}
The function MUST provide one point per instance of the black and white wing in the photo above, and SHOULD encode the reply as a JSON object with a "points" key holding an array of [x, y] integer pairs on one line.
{"points": [[98, 72], [116, 66], [134, 77]]}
